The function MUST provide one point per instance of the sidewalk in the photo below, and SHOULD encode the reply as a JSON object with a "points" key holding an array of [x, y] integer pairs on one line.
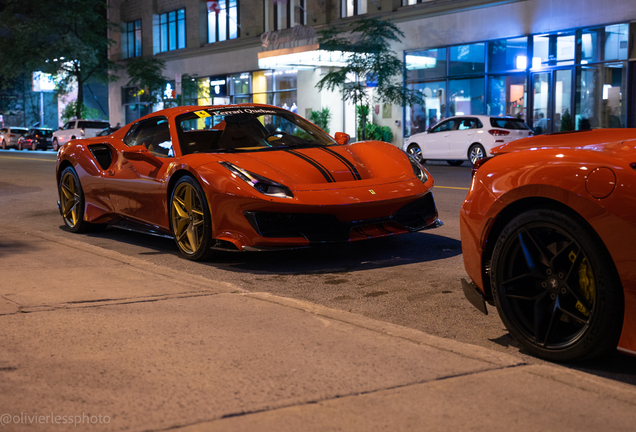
{"points": [[111, 342]]}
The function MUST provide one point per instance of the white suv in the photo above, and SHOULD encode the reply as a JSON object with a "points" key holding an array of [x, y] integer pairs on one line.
{"points": [[78, 129], [9, 136], [468, 137]]}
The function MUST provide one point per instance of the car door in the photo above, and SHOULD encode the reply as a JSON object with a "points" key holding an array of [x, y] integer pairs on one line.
{"points": [[462, 137], [136, 180], [435, 145], [65, 133]]}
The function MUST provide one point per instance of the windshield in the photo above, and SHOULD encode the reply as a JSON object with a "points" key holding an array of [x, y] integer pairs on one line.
{"points": [[245, 128]]}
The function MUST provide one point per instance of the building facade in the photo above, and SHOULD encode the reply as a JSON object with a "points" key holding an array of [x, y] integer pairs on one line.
{"points": [[559, 65]]}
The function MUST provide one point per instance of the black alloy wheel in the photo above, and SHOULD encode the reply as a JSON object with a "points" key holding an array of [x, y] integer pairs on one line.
{"points": [[555, 287]]}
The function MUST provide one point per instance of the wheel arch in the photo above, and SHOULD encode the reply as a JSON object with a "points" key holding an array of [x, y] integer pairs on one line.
{"points": [[513, 210], [174, 178], [61, 167]]}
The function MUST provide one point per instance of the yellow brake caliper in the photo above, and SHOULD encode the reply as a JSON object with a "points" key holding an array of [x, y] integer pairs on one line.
{"points": [[586, 281]]}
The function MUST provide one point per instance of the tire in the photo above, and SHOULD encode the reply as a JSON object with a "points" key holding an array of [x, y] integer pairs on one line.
{"points": [[190, 220], [555, 287], [4, 144], [454, 162], [56, 144], [415, 151], [72, 201], [476, 152]]}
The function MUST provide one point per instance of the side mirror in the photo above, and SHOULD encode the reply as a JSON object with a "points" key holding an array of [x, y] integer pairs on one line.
{"points": [[342, 138], [141, 153]]}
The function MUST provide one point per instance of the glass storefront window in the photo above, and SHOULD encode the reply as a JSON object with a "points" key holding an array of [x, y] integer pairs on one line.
{"points": [[604, 43], [466, 96], [426, 64], [262, 82], [599, 91], [553, 50], [507, 95], [421, 117], [241, 83], [508, 54], [467, 59], [285, 80], [562, 99], [203, 91], [276, 87]]}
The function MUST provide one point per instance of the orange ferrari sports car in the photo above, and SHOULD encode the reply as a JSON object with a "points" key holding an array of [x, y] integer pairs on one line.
{"points": [[548, 232], [241, 177]]}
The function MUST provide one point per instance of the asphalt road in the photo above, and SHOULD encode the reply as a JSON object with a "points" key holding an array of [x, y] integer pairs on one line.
{"points": [[412, 280]]}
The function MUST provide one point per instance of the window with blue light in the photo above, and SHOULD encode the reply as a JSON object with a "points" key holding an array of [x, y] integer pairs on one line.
{"points": [[172, 31], [223, 23], [132, 39]]}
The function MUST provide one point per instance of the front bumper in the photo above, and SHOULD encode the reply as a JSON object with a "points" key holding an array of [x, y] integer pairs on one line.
{"points": [[474, 296], [417, 215]]}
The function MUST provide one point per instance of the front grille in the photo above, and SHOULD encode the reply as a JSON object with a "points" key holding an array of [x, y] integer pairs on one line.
{"points": [[414, 216], [314, 227]]}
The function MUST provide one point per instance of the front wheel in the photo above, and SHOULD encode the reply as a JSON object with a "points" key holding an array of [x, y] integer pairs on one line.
{"points": [[476, 152], [555, 288], [190, 220], [72, 201]]}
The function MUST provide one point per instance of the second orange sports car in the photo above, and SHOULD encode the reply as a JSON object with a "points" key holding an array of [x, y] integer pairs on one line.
{"points": [[241, 177], [548, 232]]}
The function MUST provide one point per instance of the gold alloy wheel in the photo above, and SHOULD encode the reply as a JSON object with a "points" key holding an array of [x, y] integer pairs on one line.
{"points": [[70, 199], [188, 218]]}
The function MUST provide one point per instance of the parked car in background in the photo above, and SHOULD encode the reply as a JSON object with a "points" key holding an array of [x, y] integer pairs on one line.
{"points": [[36, 139], [74, 129], [109, 130], [461, 138], [548, 230], [9, 136]]}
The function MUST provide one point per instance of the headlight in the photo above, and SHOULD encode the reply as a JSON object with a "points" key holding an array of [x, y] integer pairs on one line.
{"points": [[262, 184], [419, 172]]}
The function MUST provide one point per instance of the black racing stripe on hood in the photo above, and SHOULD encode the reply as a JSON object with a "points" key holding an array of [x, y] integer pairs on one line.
{"points": [[345, 161], [324, 171]]}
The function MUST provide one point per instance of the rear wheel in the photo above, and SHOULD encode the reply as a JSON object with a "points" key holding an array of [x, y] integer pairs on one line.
{"points": [[555, 288], [476, 152], [454, 162], [56, 144], [415, 151], [4, 144], [190, 219]]}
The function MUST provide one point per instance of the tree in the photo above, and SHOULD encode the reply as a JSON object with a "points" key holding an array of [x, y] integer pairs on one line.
{"points": [[67, 38], [146, 73], [369, 58]]}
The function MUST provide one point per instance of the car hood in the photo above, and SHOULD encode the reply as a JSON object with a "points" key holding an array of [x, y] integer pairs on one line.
{"points": [[332, 167], [619, 143]]}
